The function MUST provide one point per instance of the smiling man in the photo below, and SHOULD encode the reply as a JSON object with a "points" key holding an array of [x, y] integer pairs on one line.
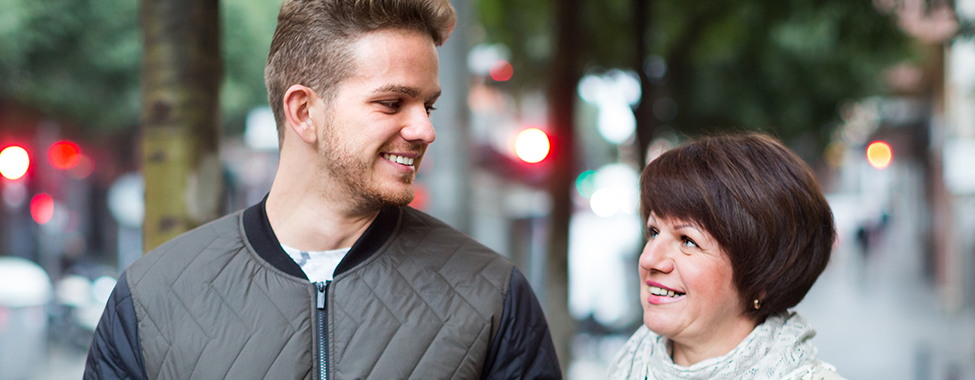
{"points": [[333, 276]]}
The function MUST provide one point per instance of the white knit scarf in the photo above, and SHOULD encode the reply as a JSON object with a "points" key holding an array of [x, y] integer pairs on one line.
{"points": [[779, 348]]}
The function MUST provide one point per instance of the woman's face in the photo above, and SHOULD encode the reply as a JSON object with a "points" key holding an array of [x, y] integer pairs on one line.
{"points": [[687, 291]]}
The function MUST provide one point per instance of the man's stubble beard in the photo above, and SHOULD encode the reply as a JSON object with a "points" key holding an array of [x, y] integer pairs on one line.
{"points": [[355, 177]]}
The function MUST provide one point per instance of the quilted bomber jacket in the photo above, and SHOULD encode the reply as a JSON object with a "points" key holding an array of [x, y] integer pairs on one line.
{"points": [[413, 299]]}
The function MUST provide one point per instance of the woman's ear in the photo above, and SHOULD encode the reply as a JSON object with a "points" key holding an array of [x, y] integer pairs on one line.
{"points": [[759, 299], [298, 109]]}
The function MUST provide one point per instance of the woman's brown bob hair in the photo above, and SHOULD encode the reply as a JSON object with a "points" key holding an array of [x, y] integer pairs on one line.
{"points": [[761, 203]]}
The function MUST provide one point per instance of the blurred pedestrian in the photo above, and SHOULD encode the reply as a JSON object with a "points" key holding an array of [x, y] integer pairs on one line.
{"points": [[738, 231], [332, 275]]}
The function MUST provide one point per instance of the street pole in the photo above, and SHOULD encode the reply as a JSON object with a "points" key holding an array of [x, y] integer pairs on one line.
{"points": [[449, 177]]}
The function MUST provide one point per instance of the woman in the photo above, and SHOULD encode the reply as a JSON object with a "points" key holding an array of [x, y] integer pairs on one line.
{"points": [[738, 231]]}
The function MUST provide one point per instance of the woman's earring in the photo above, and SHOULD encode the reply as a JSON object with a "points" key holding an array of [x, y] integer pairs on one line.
{"points": [[757, 303]]}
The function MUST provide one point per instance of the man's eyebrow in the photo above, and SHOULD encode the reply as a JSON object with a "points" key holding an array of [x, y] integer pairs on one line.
{"points": [[412, 92], [405, 90]]}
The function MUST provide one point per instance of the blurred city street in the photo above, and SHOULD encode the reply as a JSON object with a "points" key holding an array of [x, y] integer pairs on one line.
{"points": [[549, 181], [878, 317]]}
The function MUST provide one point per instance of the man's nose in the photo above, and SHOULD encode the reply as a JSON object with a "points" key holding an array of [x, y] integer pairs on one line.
{"points": [[418, 127]]}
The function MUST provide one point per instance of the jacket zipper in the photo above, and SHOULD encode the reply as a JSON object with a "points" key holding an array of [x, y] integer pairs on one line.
{"points": [[322, 288]]}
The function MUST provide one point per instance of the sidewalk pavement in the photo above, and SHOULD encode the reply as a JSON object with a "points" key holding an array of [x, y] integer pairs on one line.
{"points": [[62, 362], [878, 316]]}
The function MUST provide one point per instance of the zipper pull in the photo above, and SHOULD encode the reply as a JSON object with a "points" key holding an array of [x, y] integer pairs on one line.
{"points": [[320, 301]]}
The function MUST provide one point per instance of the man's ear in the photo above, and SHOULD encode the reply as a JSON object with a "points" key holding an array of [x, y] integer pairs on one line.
{"points": [[298, 102]]}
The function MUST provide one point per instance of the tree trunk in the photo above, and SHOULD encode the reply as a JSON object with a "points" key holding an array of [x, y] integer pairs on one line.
{"points": [[181, 77], [565, 76], [645, 122]]}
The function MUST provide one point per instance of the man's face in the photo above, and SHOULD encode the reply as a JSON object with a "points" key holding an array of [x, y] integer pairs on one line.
{"points": [[377, 127]]}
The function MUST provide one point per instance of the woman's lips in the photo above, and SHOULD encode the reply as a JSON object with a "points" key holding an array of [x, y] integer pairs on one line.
{"points": [[660, 294]]}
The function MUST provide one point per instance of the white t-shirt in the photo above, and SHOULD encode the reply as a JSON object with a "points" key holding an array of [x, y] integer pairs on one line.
{"points": [[318, 266]]}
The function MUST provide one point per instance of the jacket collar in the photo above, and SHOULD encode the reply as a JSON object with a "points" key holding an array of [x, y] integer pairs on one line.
{"points": [[265, 242]]}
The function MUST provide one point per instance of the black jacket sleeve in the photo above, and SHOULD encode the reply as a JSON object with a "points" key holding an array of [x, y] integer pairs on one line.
{"points": [[523, 348], [116, 352]]}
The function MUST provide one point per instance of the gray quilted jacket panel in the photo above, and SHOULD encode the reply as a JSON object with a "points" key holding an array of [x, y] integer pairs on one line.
{"points": [[209, 308], [425, 306]]}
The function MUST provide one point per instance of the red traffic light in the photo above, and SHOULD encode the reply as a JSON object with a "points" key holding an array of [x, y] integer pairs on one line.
{"points": [[502, 70], [879, 154], [14, 162], [64, 154], [42, 208], [532, 145]]}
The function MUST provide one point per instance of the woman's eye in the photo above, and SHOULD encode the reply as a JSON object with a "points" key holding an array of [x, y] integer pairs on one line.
{"points": [[688, 242], [652, 233]]}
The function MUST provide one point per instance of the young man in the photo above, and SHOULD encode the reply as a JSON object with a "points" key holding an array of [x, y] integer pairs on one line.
{"points": [[332, 275]]}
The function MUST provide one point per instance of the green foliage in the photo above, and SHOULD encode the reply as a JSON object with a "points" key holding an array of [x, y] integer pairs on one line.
{"points": [[610, 33], [81, 59], [248, 26], [526, 28], [76, 58], [779, 66]]}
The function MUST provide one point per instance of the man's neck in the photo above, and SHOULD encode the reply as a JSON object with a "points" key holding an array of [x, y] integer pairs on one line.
{"points": [[307, 217]]}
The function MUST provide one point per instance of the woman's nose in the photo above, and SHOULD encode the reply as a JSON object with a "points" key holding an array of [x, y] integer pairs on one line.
{"points": [[656, 256]]}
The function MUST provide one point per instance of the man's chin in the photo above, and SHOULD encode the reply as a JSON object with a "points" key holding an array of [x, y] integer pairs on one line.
{"points": [[394, 197], [398, 201]]}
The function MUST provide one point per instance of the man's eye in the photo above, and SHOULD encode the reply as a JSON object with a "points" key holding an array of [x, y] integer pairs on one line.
{"points": [[391, 104], [430, 109]]}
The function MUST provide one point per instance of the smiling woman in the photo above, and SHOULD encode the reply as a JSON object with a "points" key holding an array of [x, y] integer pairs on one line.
{"points": [[737, 232]]}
